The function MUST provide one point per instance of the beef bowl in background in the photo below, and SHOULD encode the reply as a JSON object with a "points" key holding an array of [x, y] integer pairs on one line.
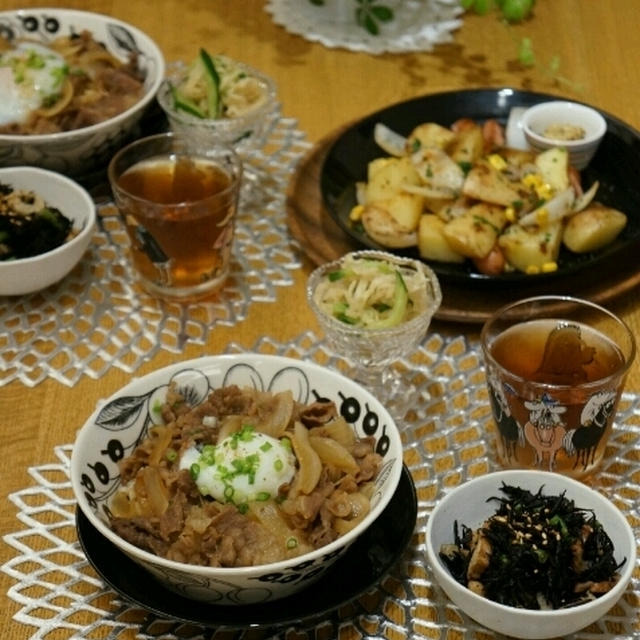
{"points": [[25, 275], [118, 424], [80, 151], [468, 504]]}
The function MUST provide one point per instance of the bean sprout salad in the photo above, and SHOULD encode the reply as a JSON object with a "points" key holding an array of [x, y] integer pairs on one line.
{"points": [[372, 293]]}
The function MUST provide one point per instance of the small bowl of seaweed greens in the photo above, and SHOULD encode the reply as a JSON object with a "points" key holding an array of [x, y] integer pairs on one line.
{"points": [[530, 554], [46, 224]]}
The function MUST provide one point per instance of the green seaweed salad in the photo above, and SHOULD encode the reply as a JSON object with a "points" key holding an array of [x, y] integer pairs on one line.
{"points": [[536, 552], [28, 226]]}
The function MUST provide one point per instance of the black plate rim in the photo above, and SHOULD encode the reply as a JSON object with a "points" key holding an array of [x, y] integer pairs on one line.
{"points": [[114, 567], [512, 97]]}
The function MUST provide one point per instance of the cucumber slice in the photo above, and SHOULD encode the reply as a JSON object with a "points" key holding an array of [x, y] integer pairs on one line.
{"points": [[182, 103], [399, 307], [213, 85]]}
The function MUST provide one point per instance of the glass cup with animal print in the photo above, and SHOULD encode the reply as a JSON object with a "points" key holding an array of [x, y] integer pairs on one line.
{"points": [[555, 368]]}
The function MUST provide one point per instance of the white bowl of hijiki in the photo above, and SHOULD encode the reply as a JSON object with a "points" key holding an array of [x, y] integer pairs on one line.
{"points": [[237, 479], [46, 224], [218, 98], [530, 554]]}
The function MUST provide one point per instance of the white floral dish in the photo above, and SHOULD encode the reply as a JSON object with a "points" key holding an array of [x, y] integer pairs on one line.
{"points": [[417, 25]]}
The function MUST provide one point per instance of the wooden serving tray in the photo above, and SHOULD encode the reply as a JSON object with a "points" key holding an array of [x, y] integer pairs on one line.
{"points": [[323, 240]]}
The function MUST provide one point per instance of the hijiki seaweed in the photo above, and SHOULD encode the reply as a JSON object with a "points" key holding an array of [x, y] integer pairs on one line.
{"points": [[28, 226], [536, 552]]}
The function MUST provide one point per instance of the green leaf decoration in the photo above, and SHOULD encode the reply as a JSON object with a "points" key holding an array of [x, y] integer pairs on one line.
{"points": [[383, 13]]}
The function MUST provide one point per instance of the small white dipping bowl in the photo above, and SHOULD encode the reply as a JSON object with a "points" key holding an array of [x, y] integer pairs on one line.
{"points": [[27, 275], [467, 504], [81, 151], [536, 120], [118, 423]]}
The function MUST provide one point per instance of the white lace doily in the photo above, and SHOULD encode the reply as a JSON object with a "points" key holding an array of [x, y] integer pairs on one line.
{"points": [[417, 25], [98, 317], [446, 441]]}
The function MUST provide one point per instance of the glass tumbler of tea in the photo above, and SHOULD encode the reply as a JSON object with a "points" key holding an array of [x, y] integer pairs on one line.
{"points": [[178, 202], [555, 368]]}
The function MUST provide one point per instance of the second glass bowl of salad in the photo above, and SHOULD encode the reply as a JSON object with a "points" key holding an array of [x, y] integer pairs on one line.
{"points": [[215, 97], [375, 308]]}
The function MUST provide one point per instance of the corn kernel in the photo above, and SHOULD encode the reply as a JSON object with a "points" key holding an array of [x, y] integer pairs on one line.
{"points": [[532, 180], [542, 216], [549, 267], [356, 213], [497, 162], [533, 269], [544, 191], [510, 214]]}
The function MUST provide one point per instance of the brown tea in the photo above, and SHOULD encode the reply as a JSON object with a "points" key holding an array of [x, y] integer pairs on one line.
{"points": [[554, 395], [185, 240], [175, 179], [559, 353]]}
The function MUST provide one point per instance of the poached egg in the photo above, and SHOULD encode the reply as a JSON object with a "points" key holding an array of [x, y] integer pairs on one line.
{"points": [[246, 466], [31, 76]]}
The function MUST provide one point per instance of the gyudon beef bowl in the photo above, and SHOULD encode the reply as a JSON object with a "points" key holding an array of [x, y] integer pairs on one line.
{"points": [[74, 87], [237, 479]]}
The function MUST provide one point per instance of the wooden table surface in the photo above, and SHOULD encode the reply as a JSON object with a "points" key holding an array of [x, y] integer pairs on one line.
{"points": [[598, 49]]}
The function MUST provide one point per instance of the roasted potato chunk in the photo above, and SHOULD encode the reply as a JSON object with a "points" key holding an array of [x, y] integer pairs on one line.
{"points": [[553, 165], [429, 134], [475, 233], [467, 146], [432, 243], [486, 183], [438, 172], [388, 176], [531, 249], [385, 229], [593, 228]]}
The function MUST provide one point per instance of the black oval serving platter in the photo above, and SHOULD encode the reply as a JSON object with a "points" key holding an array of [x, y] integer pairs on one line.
{"points": [[614, 166], [369, 559]]}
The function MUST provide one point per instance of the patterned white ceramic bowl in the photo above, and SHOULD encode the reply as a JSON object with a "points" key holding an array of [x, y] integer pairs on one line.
{"points": [[27, 275], [467, 504], [81, 151], [120, 421]]}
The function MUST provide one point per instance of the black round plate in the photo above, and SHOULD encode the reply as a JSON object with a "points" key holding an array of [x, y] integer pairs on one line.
{"points": [[614, 165], [365, 563]]}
